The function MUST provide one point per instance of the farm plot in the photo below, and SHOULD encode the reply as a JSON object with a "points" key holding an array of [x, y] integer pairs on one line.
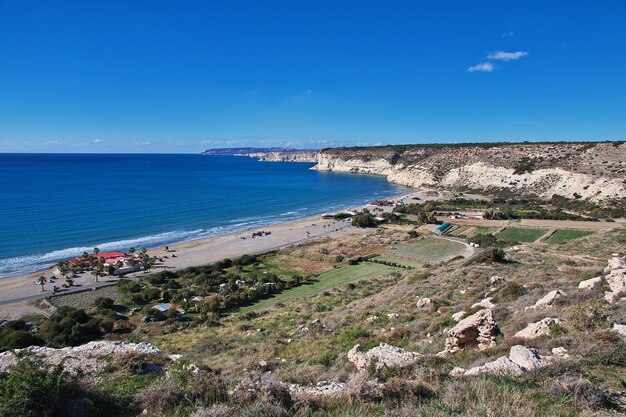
{"points": [[517, 234], [563, 235], [430, 249], [399, 261], [326, 281]]}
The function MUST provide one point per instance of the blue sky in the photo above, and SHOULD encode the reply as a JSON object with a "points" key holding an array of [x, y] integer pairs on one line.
{"points": [[182, 76]]}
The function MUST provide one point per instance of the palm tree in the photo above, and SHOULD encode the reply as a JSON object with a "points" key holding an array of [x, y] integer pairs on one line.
{"points": [[41, 281], [132, 250], [96, 250]]}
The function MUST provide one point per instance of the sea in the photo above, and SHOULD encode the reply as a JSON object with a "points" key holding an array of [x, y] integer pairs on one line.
{"points": [[55, 206]]}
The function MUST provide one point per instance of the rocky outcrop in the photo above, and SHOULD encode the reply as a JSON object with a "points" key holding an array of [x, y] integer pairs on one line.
{"points": [[382, 355], [87, 358], [590, 284], [322, 389], [543, 169], [286, 156], [425, 304], [616, 279], [476, 331], [520, 360], [538, 329], [486, 303], [548, 300]]}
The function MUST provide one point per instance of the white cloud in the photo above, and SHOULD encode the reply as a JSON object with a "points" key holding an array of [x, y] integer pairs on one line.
{"points": [[483, 67], [98, 141], [146, 143], [508, 34], [506, 56]]}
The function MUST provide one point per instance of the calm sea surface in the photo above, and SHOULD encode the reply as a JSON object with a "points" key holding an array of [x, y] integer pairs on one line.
{"points": [[53, 206]]}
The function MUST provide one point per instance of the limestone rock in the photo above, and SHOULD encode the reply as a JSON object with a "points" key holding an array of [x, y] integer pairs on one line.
{"points": [[88, 358], [478, 330], [426, 304], [458, 316], [620, 329], [538, 329], [590, 284], [617, 283], [486, 303], [320, 390], [384, 355], [615, 263], [521, 359], [495, 279], [548, 300], [392, 316]]}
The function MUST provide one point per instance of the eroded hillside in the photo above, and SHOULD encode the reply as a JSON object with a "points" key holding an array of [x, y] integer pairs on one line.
{"points": [[593, 171]]}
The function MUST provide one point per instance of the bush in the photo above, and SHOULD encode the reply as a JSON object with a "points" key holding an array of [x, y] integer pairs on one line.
{"points": [[406, 391], [511, 291], [589, 315], [31, 388], [13, 335], [70, 327], [351, 334], [104, 303], [364, 220]]}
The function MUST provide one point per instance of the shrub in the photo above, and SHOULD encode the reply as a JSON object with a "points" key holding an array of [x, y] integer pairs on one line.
{"points": [[70, 327], [104, 303], [351, 334], [511, 291], [364, 220], [406, 391], [589, 315]]}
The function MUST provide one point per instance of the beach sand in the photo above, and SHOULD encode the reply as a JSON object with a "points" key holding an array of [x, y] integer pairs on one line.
{"points": [[21, 289]]}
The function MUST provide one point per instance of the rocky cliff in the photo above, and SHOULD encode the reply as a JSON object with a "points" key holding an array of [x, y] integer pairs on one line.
{"points": [[594, 171], [287, 156]]}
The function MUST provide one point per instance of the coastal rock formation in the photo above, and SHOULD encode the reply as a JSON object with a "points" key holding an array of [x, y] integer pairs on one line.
{"points": [[286, 156], [538, 329], [572, 170], [478, 330], [87, 358], [547, 300], [384, 355]]}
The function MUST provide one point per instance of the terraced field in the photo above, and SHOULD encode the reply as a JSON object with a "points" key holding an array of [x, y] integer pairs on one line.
{"points": [[326, 281], [517, 234], [562, 235], [399, 261], [430, 249]]}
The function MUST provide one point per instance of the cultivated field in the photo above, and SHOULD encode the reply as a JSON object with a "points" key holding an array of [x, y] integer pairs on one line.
{"points": [[399, 261], [562, 236], [516, 234], [430, 249], [326, 281]]}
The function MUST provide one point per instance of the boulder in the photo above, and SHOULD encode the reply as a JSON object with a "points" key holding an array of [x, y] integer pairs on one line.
{"points": [[495, 279], [384, 355], [538, 329], [425, 304], [616, 280], [458, 316], [590, 284], [322, 389], [478, 330], [548, 300], [521, 359], [392, 316], [486, 303], [620, 329], [615, 263]]}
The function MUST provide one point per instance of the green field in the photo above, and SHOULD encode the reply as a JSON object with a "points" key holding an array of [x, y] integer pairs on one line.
{"points": [[399, 261], [430, 249], [326, 281], [483, 230], [561, 235], [516, 234], [459, 231]]}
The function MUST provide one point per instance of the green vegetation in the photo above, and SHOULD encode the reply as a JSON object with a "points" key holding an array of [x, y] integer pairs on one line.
{"points": [[364, 220], [483, 230], [517, 234], [429, 249], [326, 281], [562, 235], [391, 260]]}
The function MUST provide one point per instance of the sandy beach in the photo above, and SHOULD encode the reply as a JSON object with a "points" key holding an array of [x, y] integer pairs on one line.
{"points": [[16, 292]]}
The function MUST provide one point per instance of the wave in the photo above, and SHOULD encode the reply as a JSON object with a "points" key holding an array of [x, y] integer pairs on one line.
{"points": [[41, 261]]}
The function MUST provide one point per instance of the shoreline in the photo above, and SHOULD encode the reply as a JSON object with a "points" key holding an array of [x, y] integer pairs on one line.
{"points": [[20, 289]]}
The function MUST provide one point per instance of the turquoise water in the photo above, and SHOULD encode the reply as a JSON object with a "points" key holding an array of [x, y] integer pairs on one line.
{"points": [[54, 206]]}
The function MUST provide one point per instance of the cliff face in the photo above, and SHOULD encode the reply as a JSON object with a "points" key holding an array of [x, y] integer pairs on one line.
{"points": [[287, 156], [593, 171]]}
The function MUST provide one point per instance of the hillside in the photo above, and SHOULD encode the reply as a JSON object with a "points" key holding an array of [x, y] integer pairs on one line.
{"points": [[594, 171]]}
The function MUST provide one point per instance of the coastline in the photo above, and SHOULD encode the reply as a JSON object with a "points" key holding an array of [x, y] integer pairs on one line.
{"points": [[21, 289]]}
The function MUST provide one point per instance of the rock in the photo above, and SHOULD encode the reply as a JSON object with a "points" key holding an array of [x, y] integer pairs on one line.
{"points": [[426, 304], [384, 355], [548, 300], [392, 316], [538, 329], [617, 283], [521, 359], [458, 316], [486, 303], [590, 284], [620, 329], [478, 330], [560, 352], [320, 390], [89, 358], [263, 364], [495, 279], [615, 263], [373, 318]]}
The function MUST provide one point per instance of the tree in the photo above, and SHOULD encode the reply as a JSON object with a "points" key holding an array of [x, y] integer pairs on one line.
{"points": [[41, 281], [132, 250], [364, 220], [96, 250]]}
